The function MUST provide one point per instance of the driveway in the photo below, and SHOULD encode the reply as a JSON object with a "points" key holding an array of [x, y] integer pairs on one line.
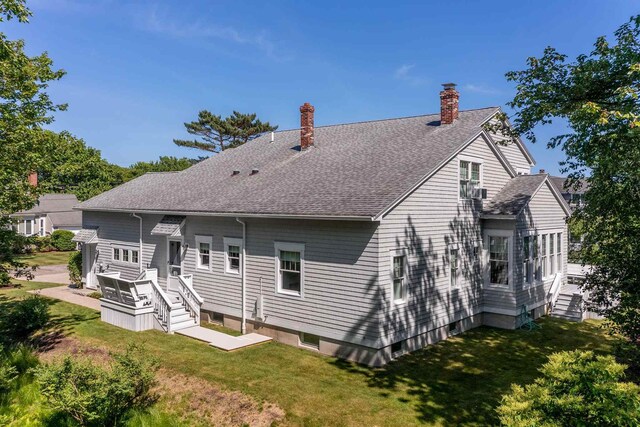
{"points": [[52, 274]]}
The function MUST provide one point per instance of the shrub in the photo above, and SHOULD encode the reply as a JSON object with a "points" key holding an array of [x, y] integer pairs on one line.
{"points": [[43, 244], [91, 394], [24, 317], [61, 240], [576, 389], [15, 363], [96, 295], [75, 268]]}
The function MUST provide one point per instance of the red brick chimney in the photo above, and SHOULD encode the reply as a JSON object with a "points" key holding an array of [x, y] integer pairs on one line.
{"points": [[33, 179], [449, 104], [306, 125]]}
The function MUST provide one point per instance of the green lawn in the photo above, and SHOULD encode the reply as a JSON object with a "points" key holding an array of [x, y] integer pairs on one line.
{"points": [[456, 382], [46, 258]]}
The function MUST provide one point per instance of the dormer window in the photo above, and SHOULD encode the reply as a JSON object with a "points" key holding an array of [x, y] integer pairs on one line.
{"points": [[469, 178]]}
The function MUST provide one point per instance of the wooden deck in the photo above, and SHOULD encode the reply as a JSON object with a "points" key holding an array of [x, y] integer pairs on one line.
{"points": [[223, 341]]}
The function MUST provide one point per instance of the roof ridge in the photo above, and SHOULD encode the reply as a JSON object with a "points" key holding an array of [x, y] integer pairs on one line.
{"points": [[385, 120]]}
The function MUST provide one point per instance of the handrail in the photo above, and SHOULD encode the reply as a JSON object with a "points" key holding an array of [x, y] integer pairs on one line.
{"points": [[554, 291], [161, 305], [189, 295]]}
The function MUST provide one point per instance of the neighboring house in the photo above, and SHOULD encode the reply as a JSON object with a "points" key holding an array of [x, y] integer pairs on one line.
{"points": [[52, 212], [574, 196], [363, 240]]}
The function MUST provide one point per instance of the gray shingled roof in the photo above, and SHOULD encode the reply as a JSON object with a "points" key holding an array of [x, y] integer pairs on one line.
{"points": [[48, 203], [560, 182], [515, 195], [168, 225], [66, 219], [85, 235], [354, 170]]}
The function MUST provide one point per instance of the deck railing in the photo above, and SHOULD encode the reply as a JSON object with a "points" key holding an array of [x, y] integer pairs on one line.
{"points": [[190, 296], [554, 291], [161, 305]]}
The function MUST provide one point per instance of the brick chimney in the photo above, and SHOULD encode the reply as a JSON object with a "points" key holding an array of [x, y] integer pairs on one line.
{"points": [[306, 125], [33, 179], [448, 103]]}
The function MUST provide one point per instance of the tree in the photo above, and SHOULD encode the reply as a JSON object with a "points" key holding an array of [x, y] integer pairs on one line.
{"points": [[597, 95], [73, 167], [219, 134], [576, 389], [163, 164], [24, 108]]}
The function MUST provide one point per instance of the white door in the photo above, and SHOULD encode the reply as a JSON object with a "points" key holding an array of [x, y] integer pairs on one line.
{"points": [[174, 262], [89, 258]]}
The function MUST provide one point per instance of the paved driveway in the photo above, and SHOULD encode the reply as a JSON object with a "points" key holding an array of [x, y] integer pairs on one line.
{"points": [[52, 274]]}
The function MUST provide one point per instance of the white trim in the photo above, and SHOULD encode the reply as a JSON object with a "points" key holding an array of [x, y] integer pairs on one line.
{"points": [[523, 148], [174, 239], [399, 252], [124, 248], [232, 241], [456, 247], [209, 241], [523, 171], [471, 160], [509, 234], [289, 247]]}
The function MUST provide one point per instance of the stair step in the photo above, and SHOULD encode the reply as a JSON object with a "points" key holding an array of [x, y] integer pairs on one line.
{"points": [[567, 317], [180, 318], [182, 325]]}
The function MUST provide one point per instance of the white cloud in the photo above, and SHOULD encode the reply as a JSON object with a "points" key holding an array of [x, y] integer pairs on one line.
{"points": [[404, 73], [155, 21], [482, 89]]}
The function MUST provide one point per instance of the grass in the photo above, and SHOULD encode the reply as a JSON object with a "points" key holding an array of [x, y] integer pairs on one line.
{"points": [[46, 258], [456, 382]]}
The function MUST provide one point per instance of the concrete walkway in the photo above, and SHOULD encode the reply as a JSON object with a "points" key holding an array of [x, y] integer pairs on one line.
{"points": [[223, 341], [72, 295]]}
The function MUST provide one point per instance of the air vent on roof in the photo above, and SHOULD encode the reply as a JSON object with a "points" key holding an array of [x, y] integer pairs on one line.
{"points": [[235, 172], [254, 171]]}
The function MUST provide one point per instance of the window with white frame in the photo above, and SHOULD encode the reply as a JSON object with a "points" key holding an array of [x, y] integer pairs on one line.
{"points": [[28, 227], [552, 254], [527, 260], [543, 255], [454, 266], [290, 268], [232, 255], [203, 249], [535, 252], [469, 178], [499, 260], [559, 252], [399, 274], [125, 255]]}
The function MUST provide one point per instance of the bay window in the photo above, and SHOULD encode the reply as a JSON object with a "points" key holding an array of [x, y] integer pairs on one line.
{"points": [[543, 255], [527, 260], [499, 260]]}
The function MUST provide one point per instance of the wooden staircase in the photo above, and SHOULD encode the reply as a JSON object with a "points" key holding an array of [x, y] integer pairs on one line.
{"points": [[568, 304]]}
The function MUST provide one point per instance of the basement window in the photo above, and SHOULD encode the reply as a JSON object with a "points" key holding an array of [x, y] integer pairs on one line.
{"points": [[310, 340], [397, 348]]}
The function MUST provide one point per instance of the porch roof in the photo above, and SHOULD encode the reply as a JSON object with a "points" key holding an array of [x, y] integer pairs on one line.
{"points": [[86, 235], [169, 225]]}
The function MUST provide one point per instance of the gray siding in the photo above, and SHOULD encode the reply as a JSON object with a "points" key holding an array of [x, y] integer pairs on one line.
{"points": [[425, 224], [511, 151], [542, 215]]}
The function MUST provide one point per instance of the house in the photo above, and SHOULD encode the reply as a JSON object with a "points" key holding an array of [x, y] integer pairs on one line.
{"points": [[361, 240], [52, 212], [573, 195]]}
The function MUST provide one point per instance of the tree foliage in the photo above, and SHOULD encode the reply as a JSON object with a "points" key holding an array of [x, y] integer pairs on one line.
{"points": [[597, 95], [576, 389], [25, 107], [218, 134], [163, 164]]}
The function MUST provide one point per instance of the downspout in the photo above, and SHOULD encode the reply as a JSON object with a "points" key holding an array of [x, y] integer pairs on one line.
{"points": [[140, 235], [243, 325]]}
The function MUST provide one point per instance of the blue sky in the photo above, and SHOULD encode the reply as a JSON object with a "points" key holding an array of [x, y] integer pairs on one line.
{"points": [[138, 70]]}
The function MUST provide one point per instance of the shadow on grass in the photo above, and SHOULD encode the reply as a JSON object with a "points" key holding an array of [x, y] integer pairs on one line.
{"points": [[58, 327], [460, 381]]}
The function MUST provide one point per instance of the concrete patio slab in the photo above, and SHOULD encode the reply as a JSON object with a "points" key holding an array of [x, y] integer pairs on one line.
{"points": [[223, 341], [72, 295]]}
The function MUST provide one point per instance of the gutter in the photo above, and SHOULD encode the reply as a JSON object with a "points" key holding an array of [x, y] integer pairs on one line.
{"points": [[133, 214], [243, 324]]}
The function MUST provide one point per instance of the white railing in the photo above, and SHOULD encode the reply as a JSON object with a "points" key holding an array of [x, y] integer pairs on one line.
{"points": [[190, 296], [161, 305], [554, 291]]}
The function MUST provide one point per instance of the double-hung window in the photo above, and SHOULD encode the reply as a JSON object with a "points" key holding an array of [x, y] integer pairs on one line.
{"points": [[116, 254], [535, 252], [559, 252], [499, 260], [290, 268], [454, 267], [469, 178], [543, 256], [203, 248], [399, 273], [232, 255], [123, 255], [527, 260]]}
